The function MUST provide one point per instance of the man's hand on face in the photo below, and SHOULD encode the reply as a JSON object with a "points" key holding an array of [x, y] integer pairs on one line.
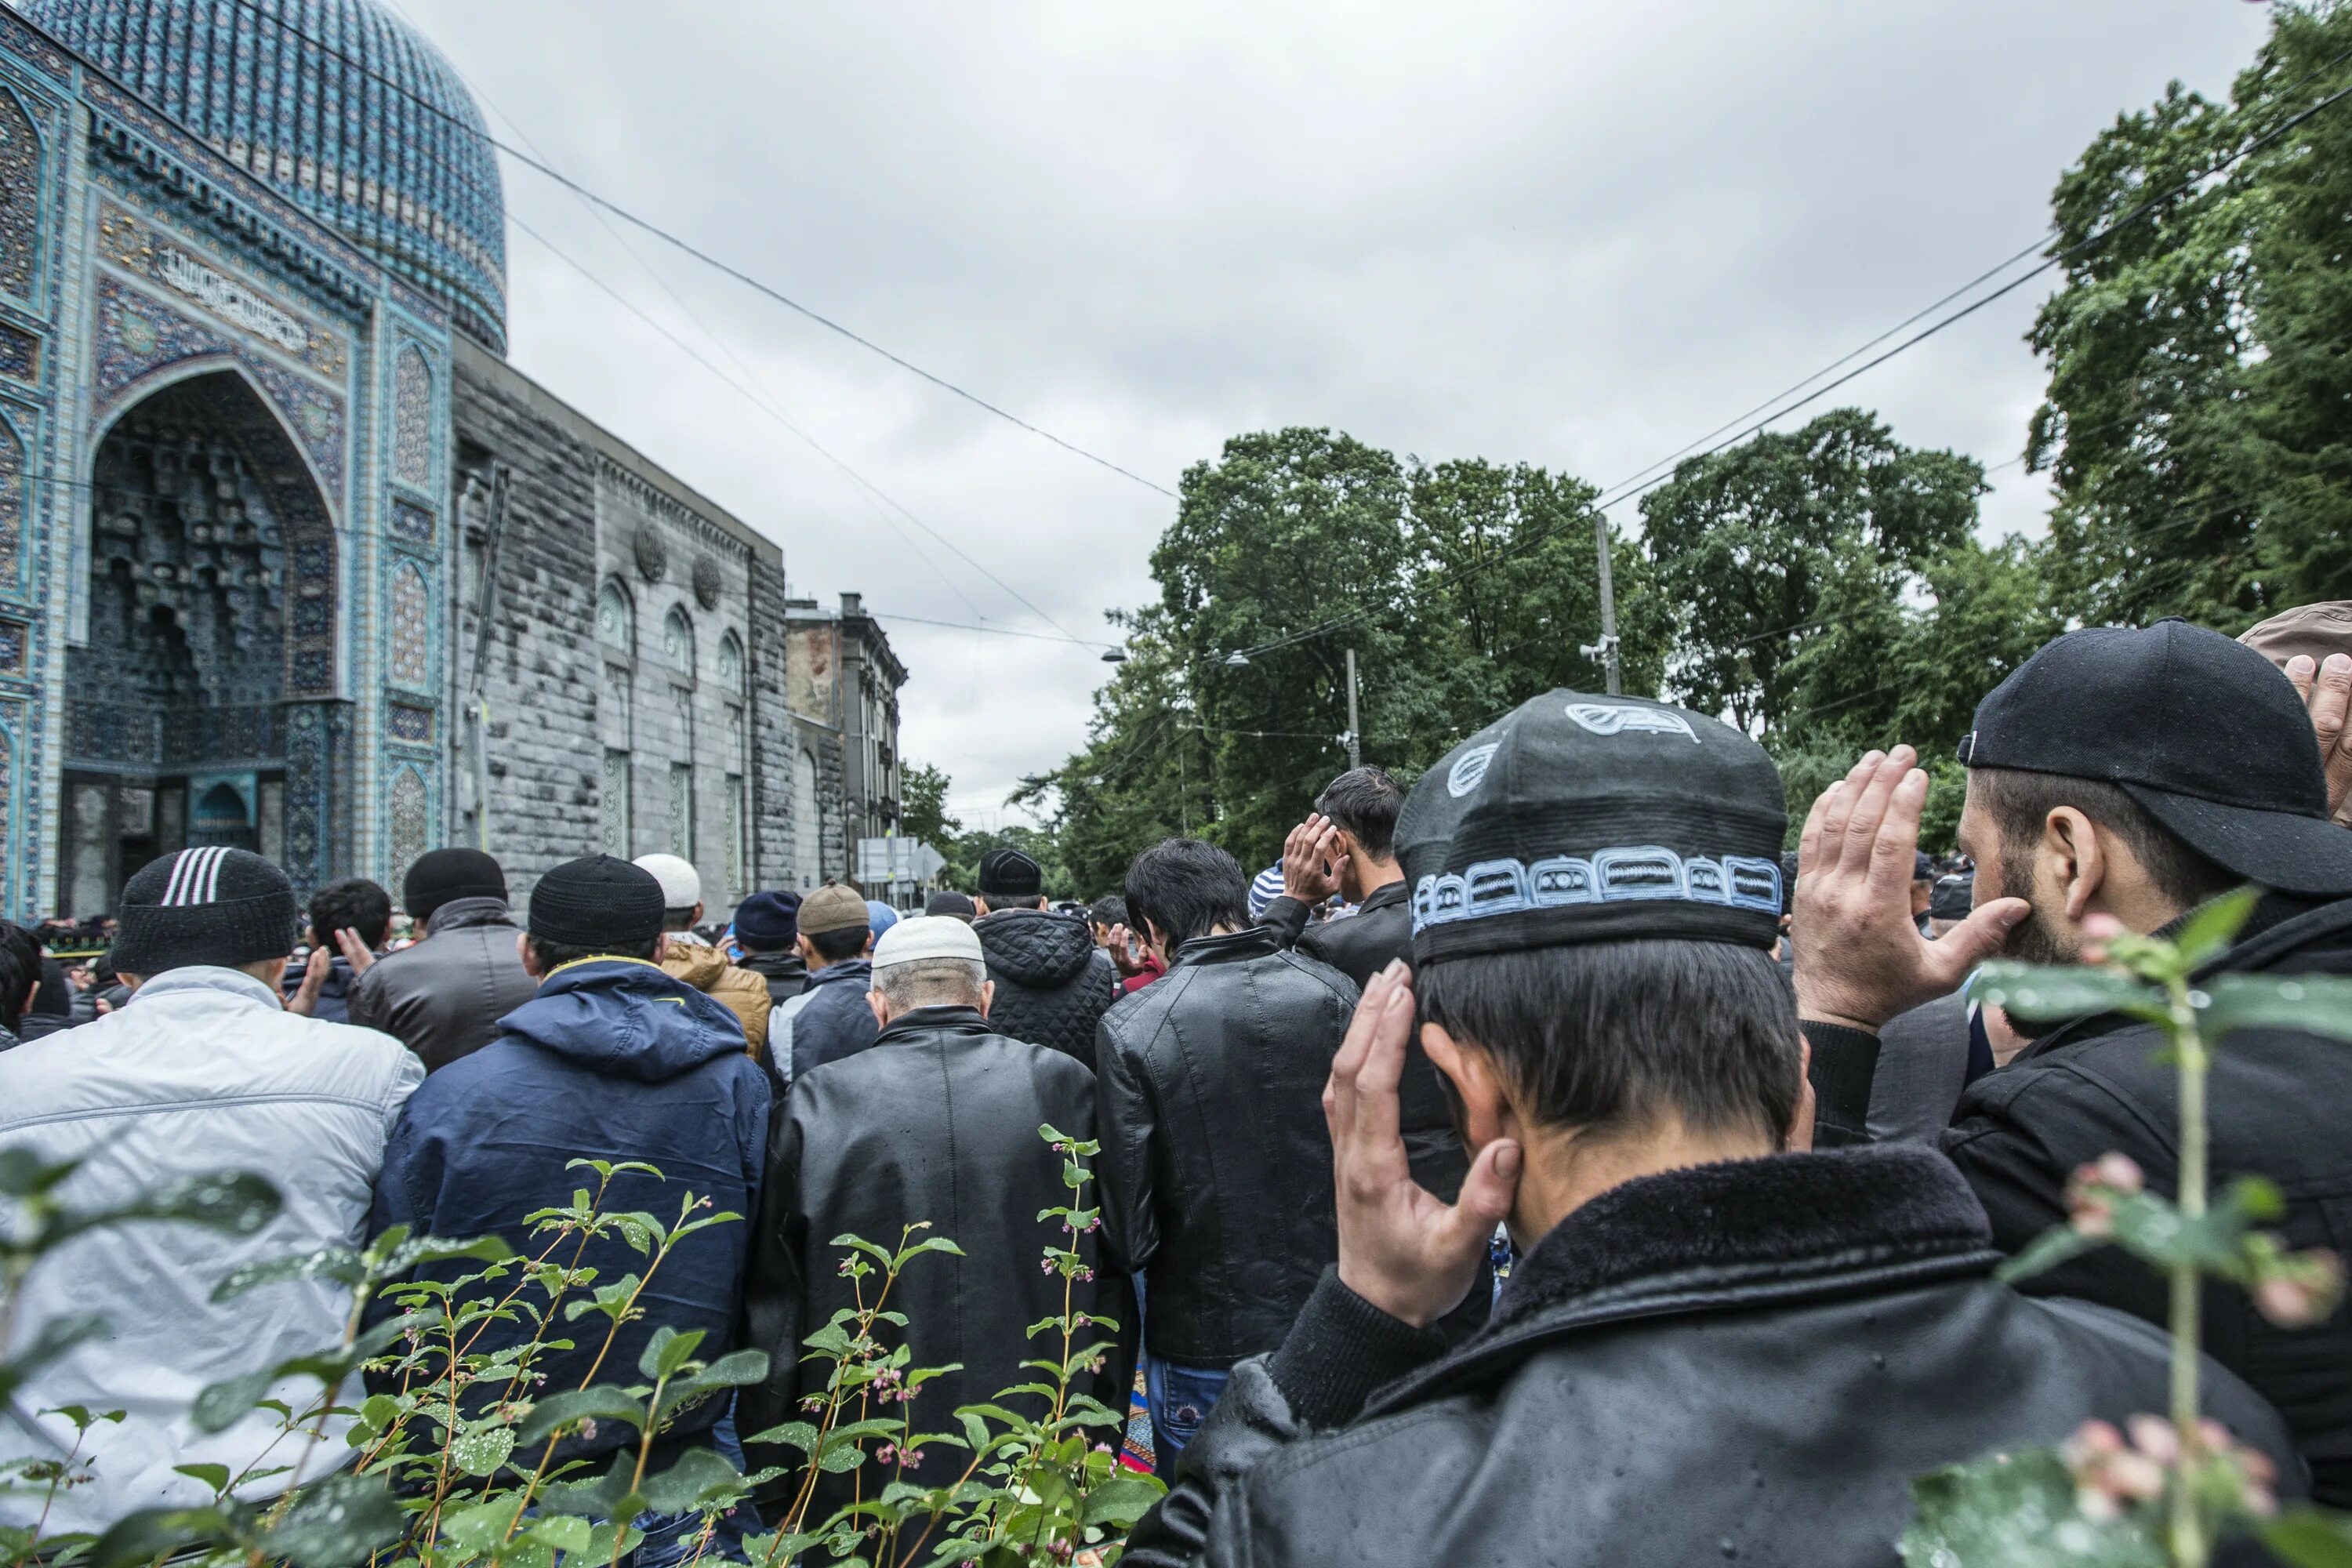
{"points": [[1126, 951], [1860, 959], [2326, 693], [360, 956], [1310, 861], [1401, 1248], [315, 970]]}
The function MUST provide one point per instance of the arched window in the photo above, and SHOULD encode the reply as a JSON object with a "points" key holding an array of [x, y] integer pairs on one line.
{"points": [[730, 663], [616, 620], [678, 641]]}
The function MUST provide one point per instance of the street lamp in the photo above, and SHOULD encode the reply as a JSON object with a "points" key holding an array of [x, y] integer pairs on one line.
{"points": [[1114, 656], [1237, 661]]}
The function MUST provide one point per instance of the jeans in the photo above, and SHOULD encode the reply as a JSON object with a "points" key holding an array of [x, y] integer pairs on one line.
{"points": [[1181, 1398], [670, 1539]]}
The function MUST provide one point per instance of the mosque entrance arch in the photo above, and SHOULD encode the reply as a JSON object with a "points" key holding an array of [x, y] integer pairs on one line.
{"points": [[200, 705]]}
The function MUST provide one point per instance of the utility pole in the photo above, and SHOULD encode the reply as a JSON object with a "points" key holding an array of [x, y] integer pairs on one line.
{"points": [[1354, 729], [1605, 650]]}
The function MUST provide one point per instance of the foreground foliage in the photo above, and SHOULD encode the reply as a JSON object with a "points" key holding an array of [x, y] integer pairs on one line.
{"points": [[459, 1456]]}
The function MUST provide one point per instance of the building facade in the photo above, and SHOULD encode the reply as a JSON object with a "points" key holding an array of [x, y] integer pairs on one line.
{"points": [[290, 557], [841, 685]]}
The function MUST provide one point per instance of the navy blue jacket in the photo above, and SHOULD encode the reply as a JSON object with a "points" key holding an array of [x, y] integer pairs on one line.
{"points": [[835, 1021], [334, 997], [613, 1059]]}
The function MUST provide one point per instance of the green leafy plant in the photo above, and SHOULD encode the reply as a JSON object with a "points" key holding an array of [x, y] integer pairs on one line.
{"points": [[456, 1452], [2161, 1491]]}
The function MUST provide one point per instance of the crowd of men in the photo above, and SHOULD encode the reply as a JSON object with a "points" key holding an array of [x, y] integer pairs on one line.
{"points": [[1755, 1150]]}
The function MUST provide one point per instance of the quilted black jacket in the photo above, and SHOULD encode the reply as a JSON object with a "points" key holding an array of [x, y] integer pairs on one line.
{"points": [[1052, 983]]}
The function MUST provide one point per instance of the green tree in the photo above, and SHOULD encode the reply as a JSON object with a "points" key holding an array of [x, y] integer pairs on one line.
{"points": [[1463, 588], [923, 807], [1760, 547], [2194, 427]]}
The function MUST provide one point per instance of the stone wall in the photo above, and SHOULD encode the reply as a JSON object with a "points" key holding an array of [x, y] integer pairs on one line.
{"points": [[637, 680], [542, 671]]}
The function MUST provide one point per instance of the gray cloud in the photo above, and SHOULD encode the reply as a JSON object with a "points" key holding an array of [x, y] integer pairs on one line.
{"points": [[1578, 235]]}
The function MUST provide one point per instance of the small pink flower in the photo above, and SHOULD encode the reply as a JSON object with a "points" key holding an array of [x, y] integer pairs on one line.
{"points": [[914, 1458], [2154, 1436], [883, 1455], [2119, 1170]]}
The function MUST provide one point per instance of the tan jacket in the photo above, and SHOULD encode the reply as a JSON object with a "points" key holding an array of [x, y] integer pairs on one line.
{"points": [[740, 990]]}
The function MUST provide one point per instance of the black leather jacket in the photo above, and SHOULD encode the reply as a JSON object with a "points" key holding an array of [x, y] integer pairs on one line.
{"points": [[1744, 1363], [1360, 945], [1216, 1164], [937, 1122], [1053, 984], [2280, 1103], [443, 997]]}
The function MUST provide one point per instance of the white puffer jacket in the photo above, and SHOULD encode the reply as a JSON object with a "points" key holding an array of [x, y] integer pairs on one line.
{"points": [[204, 1070]]}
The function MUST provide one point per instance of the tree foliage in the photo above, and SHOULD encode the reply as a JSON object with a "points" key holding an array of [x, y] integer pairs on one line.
{"points": [[2200, 356], [1462, 586]]}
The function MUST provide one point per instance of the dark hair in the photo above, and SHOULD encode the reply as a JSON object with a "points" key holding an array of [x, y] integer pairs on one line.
{"points": [[2019, 803], [1187, 889], [1614, 1036], [1365, 801], [841, 945], [20, 971], [679, 919], [1014, 900], [357, 905], [1110, 911], [554, 955]]}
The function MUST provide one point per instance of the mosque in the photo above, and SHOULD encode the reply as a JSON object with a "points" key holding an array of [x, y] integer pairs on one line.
{"points": [[291, 559]]}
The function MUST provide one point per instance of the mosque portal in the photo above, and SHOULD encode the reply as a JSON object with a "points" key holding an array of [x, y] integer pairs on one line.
{"points": [[208, 595]]}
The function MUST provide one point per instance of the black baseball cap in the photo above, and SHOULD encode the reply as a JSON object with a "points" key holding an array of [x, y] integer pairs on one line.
{"points": [[1954, 898], [2203, 733], [1576, 818]]}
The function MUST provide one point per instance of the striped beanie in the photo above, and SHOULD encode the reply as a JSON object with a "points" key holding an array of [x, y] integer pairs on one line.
{"points": [[1264, 889], [213, 906]]}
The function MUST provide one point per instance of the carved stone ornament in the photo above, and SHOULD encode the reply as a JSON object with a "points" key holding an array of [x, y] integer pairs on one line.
{"points": [[709, 583], [653, 555]]}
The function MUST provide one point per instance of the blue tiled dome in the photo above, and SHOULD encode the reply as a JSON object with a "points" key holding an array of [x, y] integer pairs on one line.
{"points": [[339, 105]]}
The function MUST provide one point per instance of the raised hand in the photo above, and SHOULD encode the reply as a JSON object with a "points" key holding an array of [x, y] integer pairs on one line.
{"points": [[2326, 693], [315, 970], [360, 956], [1310, 861], [1860, 960], [1401, 1248]]}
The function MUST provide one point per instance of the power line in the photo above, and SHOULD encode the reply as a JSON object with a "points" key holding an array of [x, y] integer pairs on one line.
{"points": [[536, 165], [2055, 259], [993, 631]]}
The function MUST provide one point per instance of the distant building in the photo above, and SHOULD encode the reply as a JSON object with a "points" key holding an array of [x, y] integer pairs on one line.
{"points": [[841, 686], [254, 586]]}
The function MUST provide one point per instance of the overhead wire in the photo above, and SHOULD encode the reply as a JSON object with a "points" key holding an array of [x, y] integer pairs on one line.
{"points": [[2053, 260], [764, 288]]}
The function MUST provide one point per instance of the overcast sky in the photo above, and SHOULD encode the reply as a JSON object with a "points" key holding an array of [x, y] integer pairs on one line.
{"points": [[1575, 235]]}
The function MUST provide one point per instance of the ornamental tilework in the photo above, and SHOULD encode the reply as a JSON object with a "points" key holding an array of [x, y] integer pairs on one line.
{"points": [[20, 354], [412, 419], [135, 246], [15, 640], [349, 114], [410, 524], [20, 197], [138, 336], [408, 812], [411, 725], [411, 662], [12, 510]]}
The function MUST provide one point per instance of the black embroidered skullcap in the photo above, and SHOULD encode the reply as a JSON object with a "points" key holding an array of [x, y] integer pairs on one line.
{"points": [[597, 902]]}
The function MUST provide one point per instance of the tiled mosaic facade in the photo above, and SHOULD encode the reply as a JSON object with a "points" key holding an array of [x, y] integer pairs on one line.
{"points": [[340, 107], [250, 321]]}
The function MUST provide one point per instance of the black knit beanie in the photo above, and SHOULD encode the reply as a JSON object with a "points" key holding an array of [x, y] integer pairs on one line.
{"points": [[214, 906], [444, 876], [598, 903]]}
